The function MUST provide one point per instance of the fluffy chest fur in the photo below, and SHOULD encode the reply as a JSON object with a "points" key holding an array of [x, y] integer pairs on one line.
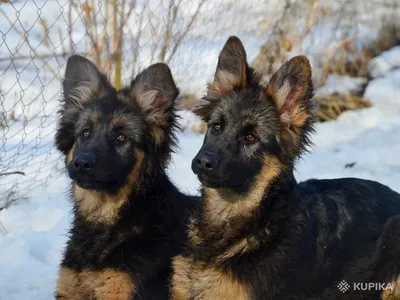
{"points": [[130, 258], [195, 279]]}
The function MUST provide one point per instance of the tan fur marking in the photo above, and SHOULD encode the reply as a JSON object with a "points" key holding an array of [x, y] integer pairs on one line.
{"points": [[102, 207], [300, 118], [241, 246], [304, 63], [290, 134], [193, 232], [180, 282], [145, 96], [121, 97], [70, 155], [68, 285], [107, 284], [115, 121], [146, 100], [120, 119], [94, 117], [243, 81], [224, 82], [197, 280], [220, 210], [157, 134], [392, 294], [281, 94]]}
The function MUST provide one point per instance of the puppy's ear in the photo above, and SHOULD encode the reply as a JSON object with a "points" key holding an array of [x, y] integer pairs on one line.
{"points": [[231, 68], [82, 83], [204, 110], [232, 72], [155, 92], [291, 89]]}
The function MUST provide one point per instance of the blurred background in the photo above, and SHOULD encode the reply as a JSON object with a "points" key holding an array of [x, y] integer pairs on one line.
{"points": [[353, 45]]}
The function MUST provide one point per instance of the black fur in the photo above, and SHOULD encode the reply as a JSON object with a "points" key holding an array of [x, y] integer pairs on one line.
{"points": [[302, 239], [149, 227]]}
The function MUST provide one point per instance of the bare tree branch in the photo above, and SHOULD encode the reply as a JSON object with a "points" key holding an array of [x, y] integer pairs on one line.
{"points": [[12, 173], [94, 24], [185, 31], [154, 37], [104, 42], [128, 14], [90, 32], [136, 44], [22, 57], [167, 34], [71, 43]]}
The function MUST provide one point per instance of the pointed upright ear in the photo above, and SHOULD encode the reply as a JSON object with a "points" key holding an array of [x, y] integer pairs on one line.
{"points": [[155, 92], [83, 81], [291, 89], [232, 71], [231, 68]]}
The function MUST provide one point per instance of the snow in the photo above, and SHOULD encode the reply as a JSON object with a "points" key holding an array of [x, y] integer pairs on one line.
{"points": [[385, 62], [384, 92], [342, 85]]}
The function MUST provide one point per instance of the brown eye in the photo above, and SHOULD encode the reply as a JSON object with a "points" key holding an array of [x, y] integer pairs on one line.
{"points": [[217, 127], [250, 137], [86, 133], [121, 138]]}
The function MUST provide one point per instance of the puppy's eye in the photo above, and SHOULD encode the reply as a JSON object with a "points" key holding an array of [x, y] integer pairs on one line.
{"points": [[216, 126], [86, 133], [251, 138], [121, 138]]}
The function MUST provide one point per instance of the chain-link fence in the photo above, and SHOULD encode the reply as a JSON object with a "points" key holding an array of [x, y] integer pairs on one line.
{"points": [[124, 36]]}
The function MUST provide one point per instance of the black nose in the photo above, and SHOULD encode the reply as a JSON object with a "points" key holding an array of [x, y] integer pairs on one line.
{"points": [[84, 162], [206, 161]]}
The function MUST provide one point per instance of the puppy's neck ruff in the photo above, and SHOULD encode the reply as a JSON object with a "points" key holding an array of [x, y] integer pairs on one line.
{"points": [[224, 215], [221, 205]]}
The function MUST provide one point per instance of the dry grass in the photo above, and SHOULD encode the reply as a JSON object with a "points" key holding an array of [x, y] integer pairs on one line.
{"points": [[392, 294], [345, 58], [331, 106], [349, 61], [188, 101], [388, 37], [201, 128]]}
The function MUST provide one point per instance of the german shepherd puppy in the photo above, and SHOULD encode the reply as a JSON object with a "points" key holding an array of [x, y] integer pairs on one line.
{"points": [[129, 219], [258, 233]]}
